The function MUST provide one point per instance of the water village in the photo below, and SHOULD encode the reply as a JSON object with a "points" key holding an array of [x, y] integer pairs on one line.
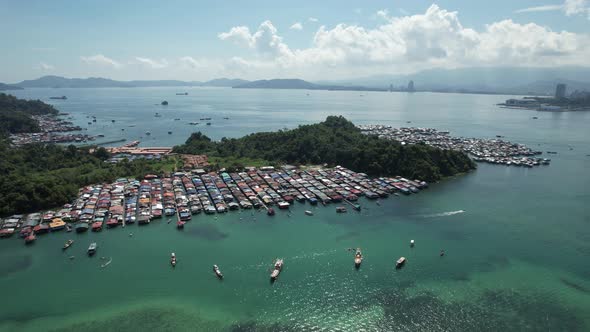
{"points": [[182, 196], [494, 151], [53, 130]]}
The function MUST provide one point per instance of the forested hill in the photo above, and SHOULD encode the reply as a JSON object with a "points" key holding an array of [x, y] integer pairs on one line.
{"points": [[336, 141], [15, 114]]}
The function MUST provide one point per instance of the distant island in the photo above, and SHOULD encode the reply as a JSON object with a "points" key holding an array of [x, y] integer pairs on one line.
{"points": [[98, 82], [300, 84], [4, 87]]}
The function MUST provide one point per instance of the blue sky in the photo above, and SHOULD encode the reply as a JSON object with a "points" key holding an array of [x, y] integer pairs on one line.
{"points": [[199, 40]]}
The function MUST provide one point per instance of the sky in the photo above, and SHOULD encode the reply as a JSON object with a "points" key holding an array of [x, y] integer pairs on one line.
{"points": [[314, 40]]}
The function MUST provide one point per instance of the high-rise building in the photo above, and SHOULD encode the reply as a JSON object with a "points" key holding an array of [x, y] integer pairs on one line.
{"points": [[560, 91], [411, 86]]}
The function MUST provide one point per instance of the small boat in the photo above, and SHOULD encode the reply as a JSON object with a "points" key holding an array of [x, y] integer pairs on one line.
{"points": [[412, 243], [341, 209], [278, 266], [442, 253], [309, 213], [68, 228], [173, 260], [62, 97], [270, 212], [105, 264], [92, 249], [208, 123], [358, 258], [148, 133], [68, 244], [30, 238], [217, 272], [113, 121], [535, 118], [182, 93], [400, 262], [164, 103], [180, 224], [169, 133]]}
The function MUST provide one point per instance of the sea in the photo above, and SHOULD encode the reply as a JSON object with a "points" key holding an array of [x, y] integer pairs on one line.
{"points": [[517, 240]]}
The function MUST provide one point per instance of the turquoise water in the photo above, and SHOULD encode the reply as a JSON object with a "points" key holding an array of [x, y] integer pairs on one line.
{"points": [[517, 240]]}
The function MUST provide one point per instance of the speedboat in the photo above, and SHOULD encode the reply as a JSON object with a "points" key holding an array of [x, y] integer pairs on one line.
{"points": [[173, 260], [358, 258], [92, 249], [400, 262], [309, 213], [217, 272], [278, 266], [412, 243], [67, 244]]}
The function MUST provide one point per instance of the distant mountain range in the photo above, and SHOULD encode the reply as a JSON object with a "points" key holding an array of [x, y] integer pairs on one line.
{"points": [[499, 80], [9, 87], [98, 82], [300, 84]]}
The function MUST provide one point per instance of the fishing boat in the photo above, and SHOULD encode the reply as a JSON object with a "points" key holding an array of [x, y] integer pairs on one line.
{"points": [[97, 226], [30, 238], [270, 212], [400, 262], [217, 272], [173, 260], [68, 244], [92, 249], [308, 212], [278, 266], [358, 258]]}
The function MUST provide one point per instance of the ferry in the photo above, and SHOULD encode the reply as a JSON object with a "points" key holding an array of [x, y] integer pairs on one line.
{"points": [[278, 266], [173, 260], [217, 272], [358, 258], [400, 262], [68, 244], [92, 249]]}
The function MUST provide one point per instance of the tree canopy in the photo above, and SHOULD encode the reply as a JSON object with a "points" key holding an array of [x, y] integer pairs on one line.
{"points": [[336, 141]]}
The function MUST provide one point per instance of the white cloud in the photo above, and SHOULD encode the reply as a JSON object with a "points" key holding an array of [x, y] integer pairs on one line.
{"points": [[313, 19], [435, 38], [296, 26], [100, 59], [545, 8], [45, 67], [383, 14], [569, 7], [152, 63], [191, 62]]}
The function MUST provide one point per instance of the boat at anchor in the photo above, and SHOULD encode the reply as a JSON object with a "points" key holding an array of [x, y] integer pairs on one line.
{"points": [[217, 272], [358, 258], [278, 266]]}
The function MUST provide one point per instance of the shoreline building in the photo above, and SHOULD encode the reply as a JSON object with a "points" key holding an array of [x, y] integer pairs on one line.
{"points": [[560, 91]]}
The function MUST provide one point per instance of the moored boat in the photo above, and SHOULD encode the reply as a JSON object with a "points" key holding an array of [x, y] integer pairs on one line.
{"points": [[270, 212], [81, 227], [173, 260], [278, 266], [341, 209], [180, 224], [358, 258], [400, 262], [92, 249], [97, 226], [68, 244], [217, 272], [30, 238]]}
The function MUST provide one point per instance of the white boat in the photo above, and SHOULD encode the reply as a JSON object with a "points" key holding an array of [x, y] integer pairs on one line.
{"points": [[92, 249], [358, 258], [309, 213], [278, 266], [400, 262], [217, 272], [173, 259], [412, 243]]}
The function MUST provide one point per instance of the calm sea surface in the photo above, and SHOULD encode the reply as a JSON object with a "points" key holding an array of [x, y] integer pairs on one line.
{"points": [[517, 239]]}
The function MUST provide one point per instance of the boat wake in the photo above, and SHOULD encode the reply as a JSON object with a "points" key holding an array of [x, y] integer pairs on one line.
{"points": [[442, 214]]}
